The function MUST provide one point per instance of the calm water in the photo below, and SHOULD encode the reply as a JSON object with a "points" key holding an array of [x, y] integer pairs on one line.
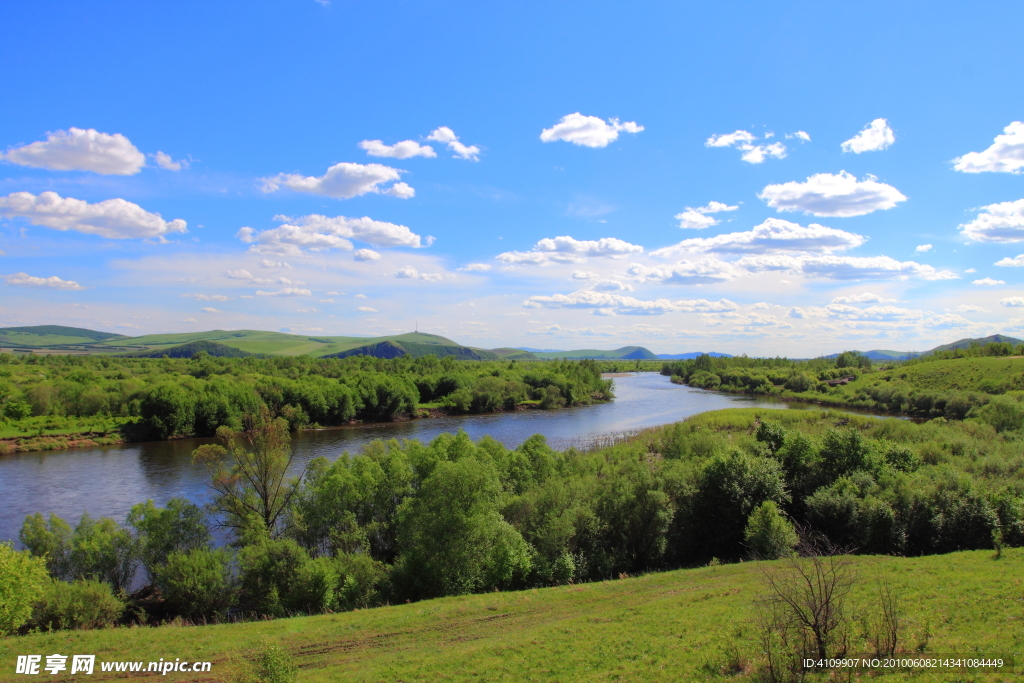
{"points": [[108, 480]]}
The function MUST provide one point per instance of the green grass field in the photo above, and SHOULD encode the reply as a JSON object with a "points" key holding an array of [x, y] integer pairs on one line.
{"points": [[687, 625]]}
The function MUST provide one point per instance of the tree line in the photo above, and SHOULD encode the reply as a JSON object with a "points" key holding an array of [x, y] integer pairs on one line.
{"points": [[166, 397]]}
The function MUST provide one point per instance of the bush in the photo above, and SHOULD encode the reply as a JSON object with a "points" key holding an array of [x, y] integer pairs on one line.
{"points": [[1003, 414], [86, 603], [22, 579], [270, 664], [181, 526], [359, 581], [278, 578], [769, 535], [197, 584]]}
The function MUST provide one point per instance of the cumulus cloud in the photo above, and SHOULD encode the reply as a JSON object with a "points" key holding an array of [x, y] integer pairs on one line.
{"points": [[800, 135], [1012, 301], [400, 150], [113, 218], [971, 308], [479, 267], [318, 233], [875, 137], [744, 141], [565, 249], [797, 312], [946, 321], [410, 273], [211, 309], [921, 248], [287, 291], [702, 272], [400, 190], [367, 309], [870, 268], [243, 274], [447, 136], [865, 298], [988, 282], [205, 297], [1017, 260], [604, 303], [1002, 222], [872, 313], [774, 235], [584, 275], [610, 286], [165, 162], [267, 263], [81, 150], [588, 131], [52, 282], [825, 194], [698, 217], [366, 255], [342, 181], [1006, 155]]}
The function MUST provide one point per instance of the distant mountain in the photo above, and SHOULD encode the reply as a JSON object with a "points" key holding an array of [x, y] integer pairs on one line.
{"points": [[514, 354], [41, 336], [882, 354], [394, 349], [692, 354], [625, 353], [526, 348], [967, 343]]}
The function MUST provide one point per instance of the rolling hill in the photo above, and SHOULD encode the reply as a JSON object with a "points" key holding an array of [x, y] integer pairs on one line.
{"points": [[967, 343], [625, 353], [43, 336]]}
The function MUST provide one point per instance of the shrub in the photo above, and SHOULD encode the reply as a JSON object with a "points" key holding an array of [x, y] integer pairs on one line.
{"points": [[86, 603], [197, 583], [769, 535], [181, 526], [22, 579], [279, 578], [270, 664]]}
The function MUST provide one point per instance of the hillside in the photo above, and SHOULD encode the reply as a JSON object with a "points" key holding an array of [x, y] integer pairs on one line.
{"points": [[188, 350], [967, 343], [684, 625], [40, 336], [625, 353], [692, 354]]}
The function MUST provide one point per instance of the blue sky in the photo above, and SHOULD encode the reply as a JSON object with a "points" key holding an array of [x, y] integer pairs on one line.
{"points": [[741, 177]]}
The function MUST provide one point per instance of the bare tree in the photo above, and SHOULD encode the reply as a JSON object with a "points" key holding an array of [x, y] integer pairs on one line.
{"points": [[804, 613], [888, 623]]}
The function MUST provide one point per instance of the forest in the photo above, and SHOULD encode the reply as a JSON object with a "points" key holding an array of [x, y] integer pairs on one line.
{"points": [[409, 521], [147, 399]]}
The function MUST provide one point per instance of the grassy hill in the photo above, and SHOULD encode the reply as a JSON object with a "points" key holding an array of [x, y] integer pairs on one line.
{"points": [[625, 353], [687, 625], [41, 336], [967, 343], [190, 349]]}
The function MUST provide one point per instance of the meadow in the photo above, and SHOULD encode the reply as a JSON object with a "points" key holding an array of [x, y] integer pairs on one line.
{"points": [[684, 625]]}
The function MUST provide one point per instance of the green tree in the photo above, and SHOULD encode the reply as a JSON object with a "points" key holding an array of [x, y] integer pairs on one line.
{"points": [[198, 583], [181, 526], [769, 535], [22, 581], [248, 474]]}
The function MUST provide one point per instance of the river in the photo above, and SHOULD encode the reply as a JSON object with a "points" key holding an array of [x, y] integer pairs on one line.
{"points": [[108, 480]]}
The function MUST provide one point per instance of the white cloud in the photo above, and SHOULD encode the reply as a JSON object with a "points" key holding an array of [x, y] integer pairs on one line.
{"points": [[565, 249], [588, 131], [1017, 260], [52, 282], [243, 274], [366, 309], [206, 297], [705, 306], [366, 255], [697, 217], [971, 270], [744, 141], [603, 303], [326, 301], [1002, 222], [211, 309], [874, 313], [410, 273], [610, 286], [702, 272], [113, 218], [287, 291], [799, 135], [317, 233], [165, 162], [946, 321], [988, 282], [971, 308], [400, 150], [1012, 301], [825, 194], [774, 235], [865, 298], [81, 150], [921, 248], [875, 137], [584, 275], [401, 190], [870, 268], [797, 312], [479, 267], [357, 296], [342, 181], [1006, 155], [447, 136], [267, 263]]}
